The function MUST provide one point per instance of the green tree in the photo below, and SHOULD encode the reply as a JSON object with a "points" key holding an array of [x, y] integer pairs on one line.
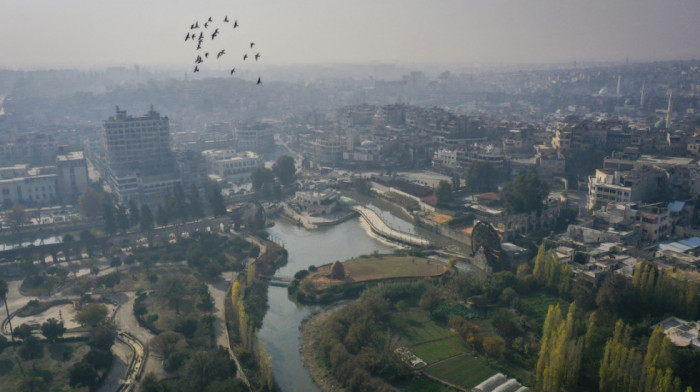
{"points": [[443, 192], [206, 367], [92, 315], [31, 348], [134, 213], [524, 194], [212, 191], [82, 374], [90, 203], [52, 329], [196, 206], [261, 176], [102, 337], [122, 218], [110, 220], [100, 359], [481, 177], [174, 287], [3, 295], [16, 217], [162, 217], [284, 170], [146, 223], [31, 383]]}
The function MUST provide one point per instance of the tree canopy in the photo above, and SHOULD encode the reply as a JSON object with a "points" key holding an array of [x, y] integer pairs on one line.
{"points": [[481, 177], [284, 170], [524, 194], [443, 191]]}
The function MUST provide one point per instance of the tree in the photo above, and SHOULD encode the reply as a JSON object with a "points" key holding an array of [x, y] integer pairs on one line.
{"points": [[31, 348], [92, 315], [115, 262], [32, 384], [122, 218], [82, 374], [196, 206], [162, 217], [16, 217], [261, 176], [494, 346], [134, 213], [443, 192], [100, 359], [481, 177], [284, 170], [146, 223], [174, 287], [212, 191], [90, 203], [110, 219], [23, 331], [3, 295], [102, 337], [52, 329], [167, 343], [206, 367], [524, 194]]}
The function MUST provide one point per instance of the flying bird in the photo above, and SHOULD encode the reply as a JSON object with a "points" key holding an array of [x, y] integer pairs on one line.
{"points": [[220, 53], [235, 23], [199, 60], [201, 35], [257, 55], [206, 25], [206, 55], [210, 19], [233, 70], [199, 45], [216, 32], [195, 25], [226, 19], [245, 56], [187, 37], [196, 69], [252, 44], [259, 81]]}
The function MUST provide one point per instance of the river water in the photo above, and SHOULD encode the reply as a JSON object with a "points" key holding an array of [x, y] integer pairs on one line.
{"points": [[280, 329]]}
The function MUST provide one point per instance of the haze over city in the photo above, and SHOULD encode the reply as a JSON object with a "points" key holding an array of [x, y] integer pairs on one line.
{"points": [[77, 33]]}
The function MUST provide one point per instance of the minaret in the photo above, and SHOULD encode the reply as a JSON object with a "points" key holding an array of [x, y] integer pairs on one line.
{"points": [[641, 96], [619, 82], [668, 111]]}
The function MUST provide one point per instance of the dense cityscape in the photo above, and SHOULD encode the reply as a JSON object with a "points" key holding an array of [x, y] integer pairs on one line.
{"points": [[389, 227]]}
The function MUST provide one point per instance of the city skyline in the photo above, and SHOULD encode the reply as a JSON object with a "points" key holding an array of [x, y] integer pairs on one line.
{"points": [[81, 34]]}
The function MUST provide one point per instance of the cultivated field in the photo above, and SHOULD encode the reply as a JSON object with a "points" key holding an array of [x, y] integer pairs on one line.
{"points": [[370, 268], [465, 371]]}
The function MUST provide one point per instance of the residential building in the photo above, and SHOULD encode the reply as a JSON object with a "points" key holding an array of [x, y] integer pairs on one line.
{"points": [[624, 186], [71, 175], [232, 166]]}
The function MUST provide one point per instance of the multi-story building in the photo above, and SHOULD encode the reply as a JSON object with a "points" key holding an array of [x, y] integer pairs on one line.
{"points": [[625, 186], [258, 139], [139, 160], [19, 184], [71, 175], [322, 147], [232, 166]]}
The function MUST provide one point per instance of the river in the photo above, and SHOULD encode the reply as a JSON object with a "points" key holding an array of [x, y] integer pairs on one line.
{"points": [[280, 329]]}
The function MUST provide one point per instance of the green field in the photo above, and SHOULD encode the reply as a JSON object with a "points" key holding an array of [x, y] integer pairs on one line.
{"points": [[434, 351], [465, 371], [540, 305], [424, 385], [416, 327]]}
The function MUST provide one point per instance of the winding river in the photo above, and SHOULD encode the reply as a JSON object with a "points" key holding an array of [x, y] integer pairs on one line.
{"points": [[280, 329]]}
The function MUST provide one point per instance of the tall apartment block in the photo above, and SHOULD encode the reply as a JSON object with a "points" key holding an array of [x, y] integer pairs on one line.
{"points": [[138, 157]]}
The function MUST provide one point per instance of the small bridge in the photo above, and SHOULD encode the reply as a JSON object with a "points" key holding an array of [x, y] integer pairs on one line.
{"points": [[280, 281]]}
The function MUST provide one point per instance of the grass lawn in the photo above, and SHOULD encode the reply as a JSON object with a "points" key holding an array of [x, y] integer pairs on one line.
{"points": [[53, 365], [424, 384], [465, 371], [434, 351], [416, 327], [540, 304]]}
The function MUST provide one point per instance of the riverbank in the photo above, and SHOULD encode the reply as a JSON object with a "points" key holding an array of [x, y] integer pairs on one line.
{"points": [[310, 330]]}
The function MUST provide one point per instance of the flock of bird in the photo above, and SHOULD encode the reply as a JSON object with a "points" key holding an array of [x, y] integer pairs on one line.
{"points": [[205, 35]]}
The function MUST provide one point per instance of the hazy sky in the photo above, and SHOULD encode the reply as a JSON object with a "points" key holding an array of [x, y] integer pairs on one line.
{"points": [[89, 33]]}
